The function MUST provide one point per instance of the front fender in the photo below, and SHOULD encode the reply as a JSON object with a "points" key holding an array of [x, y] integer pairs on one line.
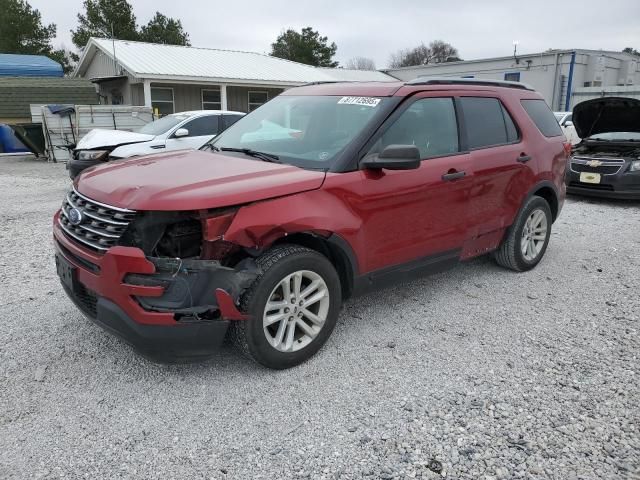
{"points": [[260, 224]]}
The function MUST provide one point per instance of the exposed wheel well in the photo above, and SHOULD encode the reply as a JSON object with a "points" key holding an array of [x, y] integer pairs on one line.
{"points": [[552, 199], [334, 253]]}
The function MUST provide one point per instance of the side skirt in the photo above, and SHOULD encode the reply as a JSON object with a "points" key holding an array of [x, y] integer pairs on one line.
{"points": [[405, 272]]}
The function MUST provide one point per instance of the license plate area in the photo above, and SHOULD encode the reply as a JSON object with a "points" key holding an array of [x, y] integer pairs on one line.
{"points": [[66, 272], [588, 177]]}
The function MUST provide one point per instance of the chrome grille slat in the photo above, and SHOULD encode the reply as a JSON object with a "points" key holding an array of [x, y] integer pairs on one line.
{"points": [[608, 165], [102, 225]]}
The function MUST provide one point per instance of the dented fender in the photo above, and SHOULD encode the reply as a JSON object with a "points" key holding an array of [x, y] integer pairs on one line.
{"points": [[260, 224]]}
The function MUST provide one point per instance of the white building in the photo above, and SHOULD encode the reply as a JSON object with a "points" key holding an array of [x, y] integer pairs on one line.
{"points": [[173, 78], [563, 77]]}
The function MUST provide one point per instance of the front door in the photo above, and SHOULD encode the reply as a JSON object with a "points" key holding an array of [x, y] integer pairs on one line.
{"points": [[414, 214]]}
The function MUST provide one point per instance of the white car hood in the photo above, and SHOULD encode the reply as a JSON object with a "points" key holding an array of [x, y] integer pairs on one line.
{"points": [[111, 138]]}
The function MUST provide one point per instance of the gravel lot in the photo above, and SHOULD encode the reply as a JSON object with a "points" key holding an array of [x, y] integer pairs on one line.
{"points": [[475, 373]]}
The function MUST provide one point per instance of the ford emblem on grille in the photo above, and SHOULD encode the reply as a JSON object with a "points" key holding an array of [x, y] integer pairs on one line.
{"points": [[75, 216]]}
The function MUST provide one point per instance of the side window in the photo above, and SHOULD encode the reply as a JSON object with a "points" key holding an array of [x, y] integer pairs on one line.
{"points": [[512, 131], [228, 120], [207, 125], [488, 122], [542, 117], [429, 124]]}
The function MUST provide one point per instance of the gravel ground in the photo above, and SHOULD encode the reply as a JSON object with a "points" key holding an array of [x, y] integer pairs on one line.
{"points": [[475, 373]]}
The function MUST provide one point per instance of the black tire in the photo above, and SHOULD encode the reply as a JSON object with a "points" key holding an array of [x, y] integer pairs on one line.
{"points": [[509, 253], [276, 264]]}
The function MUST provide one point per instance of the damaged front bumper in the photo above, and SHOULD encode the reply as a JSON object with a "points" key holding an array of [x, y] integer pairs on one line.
{"points": [[168, 309]]}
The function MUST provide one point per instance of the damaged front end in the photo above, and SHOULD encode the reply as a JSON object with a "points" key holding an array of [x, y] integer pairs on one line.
{"points": [[202, 277]]}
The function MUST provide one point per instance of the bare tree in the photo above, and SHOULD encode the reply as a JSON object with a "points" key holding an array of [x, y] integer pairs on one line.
{"points": [[360, 63], [442, 52], [437, 52]]}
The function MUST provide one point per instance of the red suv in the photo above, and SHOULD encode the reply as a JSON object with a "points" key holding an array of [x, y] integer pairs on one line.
{"points": [[325, 192]]}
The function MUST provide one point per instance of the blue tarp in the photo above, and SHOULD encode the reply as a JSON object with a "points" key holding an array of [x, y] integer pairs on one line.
{"points": [[12, 65]]}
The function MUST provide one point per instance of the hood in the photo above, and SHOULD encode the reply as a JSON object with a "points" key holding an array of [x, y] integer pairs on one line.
{"points": [[192, 180], [111, 138], [607, 114]]}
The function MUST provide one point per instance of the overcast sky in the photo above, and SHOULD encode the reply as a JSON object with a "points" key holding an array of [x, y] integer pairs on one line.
{"points": [[375, 29]]}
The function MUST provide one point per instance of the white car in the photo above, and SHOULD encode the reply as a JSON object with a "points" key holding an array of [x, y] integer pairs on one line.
{"points": [[566, 122], [178, 131]]}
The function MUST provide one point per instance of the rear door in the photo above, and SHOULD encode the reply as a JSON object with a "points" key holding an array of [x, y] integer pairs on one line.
{"points": [[499, 161], [201, 130], [412, 215]]}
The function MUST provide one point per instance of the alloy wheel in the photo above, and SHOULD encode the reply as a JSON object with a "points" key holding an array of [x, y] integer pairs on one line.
{"points": [[296, 311], [534, 235]]}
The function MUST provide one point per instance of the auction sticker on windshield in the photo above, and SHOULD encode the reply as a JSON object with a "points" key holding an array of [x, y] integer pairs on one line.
{"points": [[366, 101]]}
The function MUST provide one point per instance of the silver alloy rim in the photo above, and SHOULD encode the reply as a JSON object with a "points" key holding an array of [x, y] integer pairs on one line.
{"points": [[296, 311], [534, 234]]}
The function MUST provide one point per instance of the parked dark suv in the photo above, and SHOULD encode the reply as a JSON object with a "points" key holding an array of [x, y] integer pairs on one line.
{"points": [[325, 192]]}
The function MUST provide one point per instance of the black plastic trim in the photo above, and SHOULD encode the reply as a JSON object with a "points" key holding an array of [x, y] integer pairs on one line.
{"points": [[406, 272]]}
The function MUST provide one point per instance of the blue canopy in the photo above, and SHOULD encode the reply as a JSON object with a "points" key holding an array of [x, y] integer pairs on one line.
{"points": [[12, 65]]}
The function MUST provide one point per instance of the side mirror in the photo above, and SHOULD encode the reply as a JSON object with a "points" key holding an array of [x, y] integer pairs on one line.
{"points": [[181, 132], [568, 123], [394, 157]]}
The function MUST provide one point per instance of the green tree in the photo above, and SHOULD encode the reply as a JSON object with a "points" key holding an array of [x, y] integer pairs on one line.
{"points": [[305, 47], [162, 29], [631, 50], [101, 17], [23, 32]]}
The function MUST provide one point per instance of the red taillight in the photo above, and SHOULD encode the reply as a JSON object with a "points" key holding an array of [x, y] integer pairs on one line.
{"points": [[567, 148]]}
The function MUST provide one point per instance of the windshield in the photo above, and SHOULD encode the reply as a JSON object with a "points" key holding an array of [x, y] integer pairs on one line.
{"points": [[163, 125], [617, 136], [306, 131]]}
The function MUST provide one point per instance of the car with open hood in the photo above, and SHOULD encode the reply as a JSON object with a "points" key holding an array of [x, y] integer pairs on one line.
{"points": [[177, 131], [325, 192], [606, 163]]}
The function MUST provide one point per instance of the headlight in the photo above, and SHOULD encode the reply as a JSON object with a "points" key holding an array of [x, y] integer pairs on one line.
{"points": [[635, 166], [92, 154]]}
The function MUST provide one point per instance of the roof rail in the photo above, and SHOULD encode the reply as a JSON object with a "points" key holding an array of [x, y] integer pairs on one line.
{"points": [[467, 81], [322, 82]]}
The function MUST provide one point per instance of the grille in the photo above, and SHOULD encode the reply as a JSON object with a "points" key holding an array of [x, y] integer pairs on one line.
{"points": [[593, 186], [608, 166], [100, 226], [87, 300]]}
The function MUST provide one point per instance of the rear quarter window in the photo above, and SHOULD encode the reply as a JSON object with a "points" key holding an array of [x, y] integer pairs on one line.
{"points": [[543, 117], [488, 122]]}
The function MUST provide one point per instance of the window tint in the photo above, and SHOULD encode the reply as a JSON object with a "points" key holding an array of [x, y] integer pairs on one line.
{"points": [[512, 131], [207, 125], [542, 117], [229, 120], [429, 124], [488, 123]]}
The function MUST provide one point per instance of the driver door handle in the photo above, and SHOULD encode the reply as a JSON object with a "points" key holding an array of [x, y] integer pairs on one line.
{"points": [[447, 177], [524, 158]]}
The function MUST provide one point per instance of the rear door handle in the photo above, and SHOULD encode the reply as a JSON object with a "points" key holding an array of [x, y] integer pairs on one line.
{"points": [[524, 158], [447, 177]]}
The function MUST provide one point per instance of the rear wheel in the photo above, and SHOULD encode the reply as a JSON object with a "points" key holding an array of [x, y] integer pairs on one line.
{"points": [[293, 307], [528, 238]]}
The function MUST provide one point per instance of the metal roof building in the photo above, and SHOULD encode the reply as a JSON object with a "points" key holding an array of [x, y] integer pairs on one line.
{"points": [[12, 65], [174, 78]]}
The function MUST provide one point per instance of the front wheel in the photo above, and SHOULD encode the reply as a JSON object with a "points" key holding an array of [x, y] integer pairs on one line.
{"points": [[528, 238], [293, 307]]}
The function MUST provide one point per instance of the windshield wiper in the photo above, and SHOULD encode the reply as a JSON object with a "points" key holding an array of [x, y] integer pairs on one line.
{"points": [[267, 157]]}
